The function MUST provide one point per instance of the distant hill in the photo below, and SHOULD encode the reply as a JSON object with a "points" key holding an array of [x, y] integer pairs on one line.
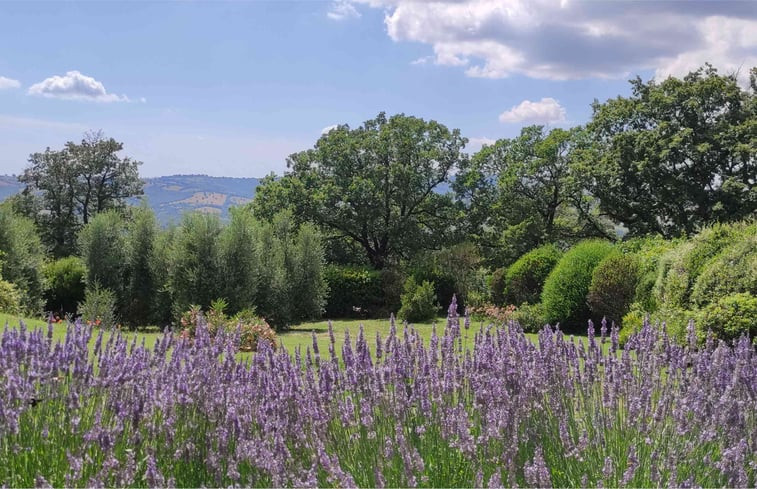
{"points": [[170, 196]]}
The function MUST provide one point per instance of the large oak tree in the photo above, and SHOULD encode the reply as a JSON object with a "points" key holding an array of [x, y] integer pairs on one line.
{"points": [[676, 154], [377, 185]]}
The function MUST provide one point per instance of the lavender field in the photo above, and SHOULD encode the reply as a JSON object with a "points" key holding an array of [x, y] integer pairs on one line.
{"points": [[383, 412]]}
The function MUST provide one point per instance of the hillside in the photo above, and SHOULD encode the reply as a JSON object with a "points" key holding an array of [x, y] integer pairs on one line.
{"points": [[172, 195]]}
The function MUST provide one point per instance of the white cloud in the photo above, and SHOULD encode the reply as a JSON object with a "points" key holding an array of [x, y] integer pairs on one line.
{"points": [[74, 86], [327, 129], [545, 111], [567, 39], [8, 83], [342, 10]]}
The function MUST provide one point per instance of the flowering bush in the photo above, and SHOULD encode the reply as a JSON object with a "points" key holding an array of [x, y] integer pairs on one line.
{"points": [[397, 412], [490, 312], [250, 327]]}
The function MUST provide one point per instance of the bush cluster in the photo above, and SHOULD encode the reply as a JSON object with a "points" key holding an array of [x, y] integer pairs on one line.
{"points": [[525, 278], [566, 287], [252, 329], [418, 301]]}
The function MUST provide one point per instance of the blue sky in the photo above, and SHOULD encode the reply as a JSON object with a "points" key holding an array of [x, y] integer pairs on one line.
{"points": [[230, 89]]}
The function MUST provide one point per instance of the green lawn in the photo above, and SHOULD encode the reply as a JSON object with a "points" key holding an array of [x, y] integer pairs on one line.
{"points": [[298, 336]]}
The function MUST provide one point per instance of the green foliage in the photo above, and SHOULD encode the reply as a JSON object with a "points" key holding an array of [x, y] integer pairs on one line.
{"points": [[104, 251], [732, 271], [497, 285], [195, 276], [291, 286], [10, 299], [613, 286], [160, 269], [353, 291], [418, 301], [252, 329], [525, 278], [681, 267], [22, 258], [65, 281], [454, 270], [374, 185], [649, 250], [676, 322], [530, 317], [76, 183], [658, 154], [141, 289], [239, 260], [523, 192], [566, 287], [98, 307], [730, 316]]}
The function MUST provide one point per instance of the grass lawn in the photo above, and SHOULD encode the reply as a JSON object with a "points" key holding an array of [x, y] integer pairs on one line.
{"points": [[297, 336]]}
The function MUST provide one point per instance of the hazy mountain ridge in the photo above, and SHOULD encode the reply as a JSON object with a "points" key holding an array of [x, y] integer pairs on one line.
{"points": [[172, 195]]}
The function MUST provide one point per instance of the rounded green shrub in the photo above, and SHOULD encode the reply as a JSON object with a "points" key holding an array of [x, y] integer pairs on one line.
{"points": [[730, 316], [650, 251], [353, 291], [732, 271], [64, 284], [686, 262], [418, 301], [497, 285], [566, 287], [613, 286], [525, 278]]}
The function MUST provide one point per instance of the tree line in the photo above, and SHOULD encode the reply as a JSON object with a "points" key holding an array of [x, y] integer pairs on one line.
{"points": [[399, 195]]}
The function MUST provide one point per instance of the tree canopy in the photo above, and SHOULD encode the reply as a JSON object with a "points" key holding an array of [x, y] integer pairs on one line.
{"points": [[65, 188], [677, 154], [376, 185], [523, 192]]}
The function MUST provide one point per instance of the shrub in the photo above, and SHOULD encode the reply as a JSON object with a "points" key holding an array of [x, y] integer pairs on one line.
{"points": [[141, 291], [686, 262], [64, 284], [10, 299], [491, 312], [251, 328], [497, 285], [734, 270], [392, 282], [730, 317], [98, 307], [676, 322], [22, 259], [525, 278], [530, 317], [353, 291], [613, 286], [566, 287], [418, 301], [103, 249], [195, 277], [649, 251]]}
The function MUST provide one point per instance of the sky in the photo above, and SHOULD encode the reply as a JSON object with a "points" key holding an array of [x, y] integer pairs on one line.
{"points": [[233, 88]]}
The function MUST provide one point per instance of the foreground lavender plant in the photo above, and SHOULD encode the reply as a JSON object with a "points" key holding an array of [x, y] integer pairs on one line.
{"points": [[506, 412]]}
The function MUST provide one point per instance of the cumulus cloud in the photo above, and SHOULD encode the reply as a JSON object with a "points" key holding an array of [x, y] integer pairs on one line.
{"points": [[74, 86], [342, 10], [327, 129], [545, 111], [569, 39], [8, 83]]}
